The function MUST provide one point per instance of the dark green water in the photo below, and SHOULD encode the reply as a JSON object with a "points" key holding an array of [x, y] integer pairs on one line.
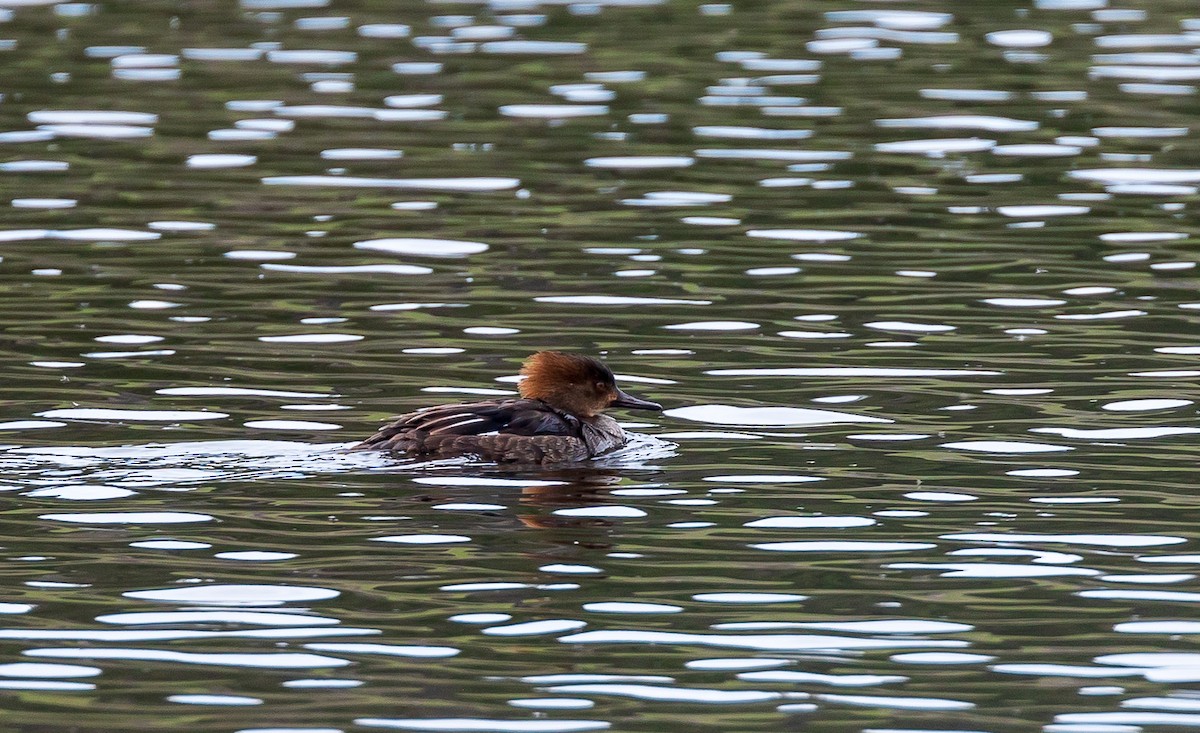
{"points": [[915, 281]]}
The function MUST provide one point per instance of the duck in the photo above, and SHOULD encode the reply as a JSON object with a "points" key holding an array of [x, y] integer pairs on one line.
{"points": [[557, 419]]}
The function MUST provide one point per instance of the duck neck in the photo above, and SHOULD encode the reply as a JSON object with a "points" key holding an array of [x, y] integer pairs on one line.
{"points": [[564, 413]]}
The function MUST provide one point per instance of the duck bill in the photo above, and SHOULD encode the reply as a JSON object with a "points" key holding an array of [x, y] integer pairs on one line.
{"points": [[634, 403]]}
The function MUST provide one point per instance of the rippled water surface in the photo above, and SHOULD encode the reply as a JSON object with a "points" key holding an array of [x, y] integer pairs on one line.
{"points": [[915, 281]]}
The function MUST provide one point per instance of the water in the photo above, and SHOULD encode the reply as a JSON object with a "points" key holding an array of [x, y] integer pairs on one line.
{"points": [[916, 285]]}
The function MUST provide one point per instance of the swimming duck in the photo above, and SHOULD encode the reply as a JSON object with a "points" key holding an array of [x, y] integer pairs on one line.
{"points": [[557, 419]]}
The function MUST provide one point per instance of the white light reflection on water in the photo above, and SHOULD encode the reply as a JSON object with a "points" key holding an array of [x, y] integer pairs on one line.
{"points": [[480, 725], [764, 642], [767, 416], [281, 660]]}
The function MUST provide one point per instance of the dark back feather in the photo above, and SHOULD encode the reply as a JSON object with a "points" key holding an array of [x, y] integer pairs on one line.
{"points": [[471, 428]]}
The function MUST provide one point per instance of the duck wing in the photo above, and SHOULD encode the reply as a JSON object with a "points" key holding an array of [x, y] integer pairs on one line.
{"points": [[522, 431]]}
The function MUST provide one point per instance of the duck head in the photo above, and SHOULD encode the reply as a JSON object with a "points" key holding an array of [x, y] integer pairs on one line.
{"points": [[576, 384]]}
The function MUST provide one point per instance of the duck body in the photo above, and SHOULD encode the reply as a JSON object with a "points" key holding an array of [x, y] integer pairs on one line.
{"points": [[504, 431], [557, 419]]}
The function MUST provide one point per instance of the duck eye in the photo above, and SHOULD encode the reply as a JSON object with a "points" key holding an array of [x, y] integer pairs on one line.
{"points": [[601, 387]]}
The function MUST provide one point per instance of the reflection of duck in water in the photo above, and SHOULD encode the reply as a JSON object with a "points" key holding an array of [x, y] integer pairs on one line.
{"points": [[557, 419]]}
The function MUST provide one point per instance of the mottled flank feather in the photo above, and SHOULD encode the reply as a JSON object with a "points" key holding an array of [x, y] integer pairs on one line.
{"points": [[506, 431]]}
